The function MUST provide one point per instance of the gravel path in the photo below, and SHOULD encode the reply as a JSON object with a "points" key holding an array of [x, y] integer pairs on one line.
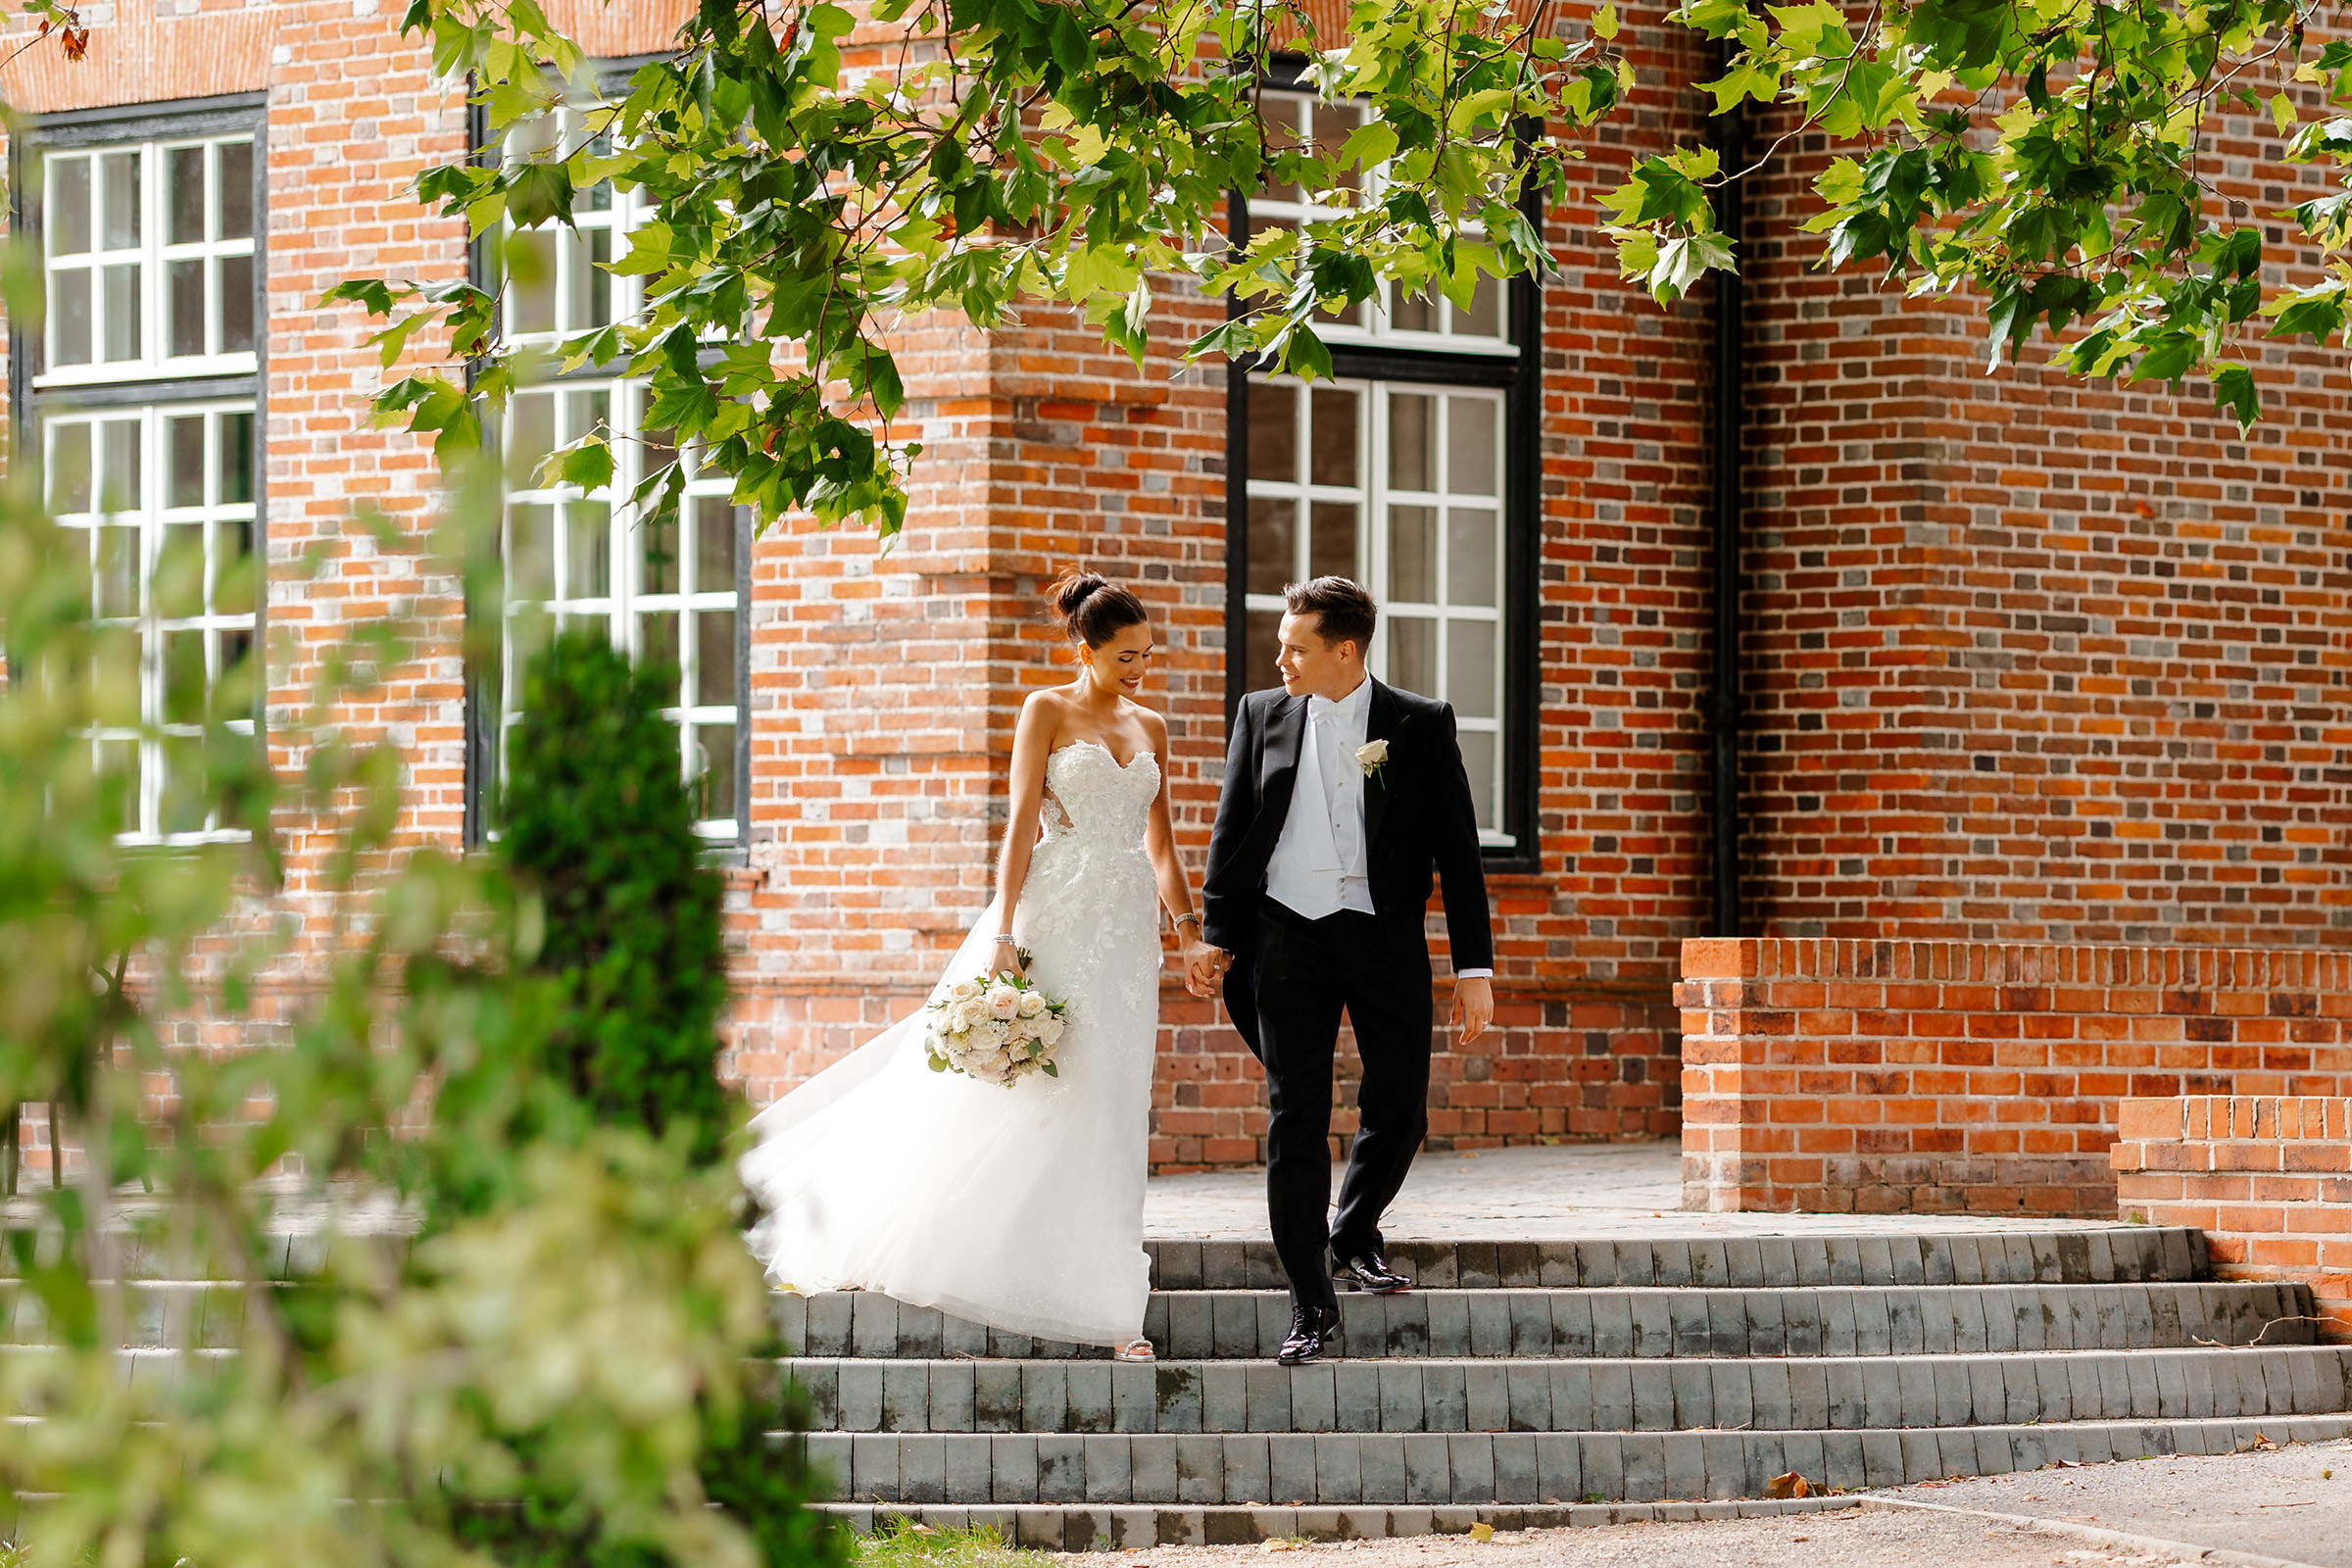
{"points": [[1852, 1538]]}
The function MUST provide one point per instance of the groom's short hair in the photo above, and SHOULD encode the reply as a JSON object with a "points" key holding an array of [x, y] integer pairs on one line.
{"points": [[1342, 611]]}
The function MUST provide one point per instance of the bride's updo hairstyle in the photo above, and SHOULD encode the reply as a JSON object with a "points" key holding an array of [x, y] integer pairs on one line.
{"points": [[1092, 608]]}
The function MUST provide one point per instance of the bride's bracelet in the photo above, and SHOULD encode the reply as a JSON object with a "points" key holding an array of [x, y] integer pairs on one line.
{"points": [[1180, 921]]}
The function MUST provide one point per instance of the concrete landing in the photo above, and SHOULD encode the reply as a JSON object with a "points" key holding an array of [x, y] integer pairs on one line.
{"points": [[1570, 1193]]}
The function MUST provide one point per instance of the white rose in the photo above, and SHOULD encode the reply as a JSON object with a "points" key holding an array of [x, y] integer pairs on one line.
{"points": [[1032, 1004], [989, 1036], [1049, 1030], [1003, 1002], [964, 991], [1371, 756]]}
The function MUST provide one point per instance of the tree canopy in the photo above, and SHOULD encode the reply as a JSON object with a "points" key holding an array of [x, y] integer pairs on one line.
{"points": [[812, 177]]}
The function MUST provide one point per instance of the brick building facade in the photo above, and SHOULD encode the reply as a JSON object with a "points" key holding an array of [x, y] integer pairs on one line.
{"points": [[2021, 659]]}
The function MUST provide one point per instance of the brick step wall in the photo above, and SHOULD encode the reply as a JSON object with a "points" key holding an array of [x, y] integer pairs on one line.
{"points": [[1938, 1077], [2269, 1179]]}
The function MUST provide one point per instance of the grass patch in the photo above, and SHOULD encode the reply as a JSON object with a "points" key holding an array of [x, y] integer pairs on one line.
{"points": [[905, 1544]]}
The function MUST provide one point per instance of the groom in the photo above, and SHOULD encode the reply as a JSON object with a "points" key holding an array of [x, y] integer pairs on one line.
{"points": [[1341, 794]]}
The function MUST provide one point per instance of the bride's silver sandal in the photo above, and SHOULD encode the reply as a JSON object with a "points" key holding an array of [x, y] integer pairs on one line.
{"points": [[1138, 1348]]}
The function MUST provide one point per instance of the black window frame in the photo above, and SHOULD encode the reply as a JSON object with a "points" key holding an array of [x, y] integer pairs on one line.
{"points": [[481, 736], [132, 125], [1519, 377]]}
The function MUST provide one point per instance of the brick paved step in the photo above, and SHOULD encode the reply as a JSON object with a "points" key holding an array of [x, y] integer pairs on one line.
{"points": [[1612, 1321], [1826, 1393], [2018, 1257], [1078, 1527], [1480, 1469]]}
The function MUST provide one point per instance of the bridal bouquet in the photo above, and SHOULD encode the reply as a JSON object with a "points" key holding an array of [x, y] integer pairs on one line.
{"points": [[996, 1028]]}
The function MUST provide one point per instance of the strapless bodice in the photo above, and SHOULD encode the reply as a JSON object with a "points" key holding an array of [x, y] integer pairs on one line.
{"points": [[1090, 796]]}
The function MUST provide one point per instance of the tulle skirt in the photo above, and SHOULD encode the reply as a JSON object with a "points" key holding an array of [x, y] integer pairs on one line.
{"points": [[1019, 1206]]}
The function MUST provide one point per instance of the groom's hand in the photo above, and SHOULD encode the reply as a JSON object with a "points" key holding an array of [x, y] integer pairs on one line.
{"points": [[1473, 1008]]}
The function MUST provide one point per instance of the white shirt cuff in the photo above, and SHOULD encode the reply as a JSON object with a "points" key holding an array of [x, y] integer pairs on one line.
{"points": [[1474, 974]]}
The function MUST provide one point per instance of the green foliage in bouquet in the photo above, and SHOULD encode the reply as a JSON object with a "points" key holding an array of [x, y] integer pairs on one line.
{"points": [[599, 824], [564, 1369]]}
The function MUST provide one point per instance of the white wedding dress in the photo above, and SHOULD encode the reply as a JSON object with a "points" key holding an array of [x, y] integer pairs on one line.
{"points": [[1020, 1206]]}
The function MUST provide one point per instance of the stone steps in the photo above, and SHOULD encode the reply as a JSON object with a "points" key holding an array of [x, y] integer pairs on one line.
{"points": [[2080, 1256], [1481, 1469], [1826, 1393], [1615, 1321], [1524, 1381]]}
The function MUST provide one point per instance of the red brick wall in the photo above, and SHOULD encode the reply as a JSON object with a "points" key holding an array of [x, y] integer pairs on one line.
{"points": [[2266, 1178], [1975, 1077], [2034, 660]]}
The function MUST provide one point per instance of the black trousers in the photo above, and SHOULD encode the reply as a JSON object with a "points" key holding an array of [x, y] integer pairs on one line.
{"points": [[1308, 973]]}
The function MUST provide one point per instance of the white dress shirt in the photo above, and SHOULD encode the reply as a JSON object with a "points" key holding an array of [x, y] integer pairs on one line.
{"points": [[1319, 863], [1317, 867]]}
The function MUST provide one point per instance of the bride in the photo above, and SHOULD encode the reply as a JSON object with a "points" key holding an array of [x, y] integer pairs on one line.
{"points": [[1020, 1206]]}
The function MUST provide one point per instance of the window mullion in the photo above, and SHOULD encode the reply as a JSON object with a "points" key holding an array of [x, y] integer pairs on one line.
{"points": [[153, 343]]}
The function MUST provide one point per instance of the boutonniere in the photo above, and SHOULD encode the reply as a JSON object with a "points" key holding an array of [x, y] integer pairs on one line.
{"points": [[1372, 756]]}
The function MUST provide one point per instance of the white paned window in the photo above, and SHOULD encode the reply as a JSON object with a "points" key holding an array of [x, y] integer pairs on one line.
{"points": [[557, 284], [148, 251], [1399, 486], [667, 593], [1297, 119], [165, 500]]}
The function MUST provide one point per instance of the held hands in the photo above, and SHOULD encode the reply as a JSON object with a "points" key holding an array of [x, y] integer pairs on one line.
{"points": [[1204, 968], [1473, 1008]]}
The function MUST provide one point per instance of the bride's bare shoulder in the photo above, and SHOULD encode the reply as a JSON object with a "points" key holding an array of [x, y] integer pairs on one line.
{"points": [[1052, 701], [1154, 721], [1042, 713]]}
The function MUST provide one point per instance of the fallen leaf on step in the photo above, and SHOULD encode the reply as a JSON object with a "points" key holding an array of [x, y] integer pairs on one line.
{"points": [[1790, 1485], [1482, 1531], [1280, 1543], [2261, 1445]]}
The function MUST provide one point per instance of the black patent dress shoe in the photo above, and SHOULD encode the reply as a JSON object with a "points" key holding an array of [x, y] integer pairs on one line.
{"points": [[1313, 1328], [1369, 1271]]}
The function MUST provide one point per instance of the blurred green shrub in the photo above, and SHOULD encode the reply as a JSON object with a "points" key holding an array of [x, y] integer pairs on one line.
{"points": [[563, 1367], [599, 823]]}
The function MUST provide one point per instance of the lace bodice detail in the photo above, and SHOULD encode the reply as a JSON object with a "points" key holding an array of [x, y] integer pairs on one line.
{"points": [[1089, 909], [1090, 796]]}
